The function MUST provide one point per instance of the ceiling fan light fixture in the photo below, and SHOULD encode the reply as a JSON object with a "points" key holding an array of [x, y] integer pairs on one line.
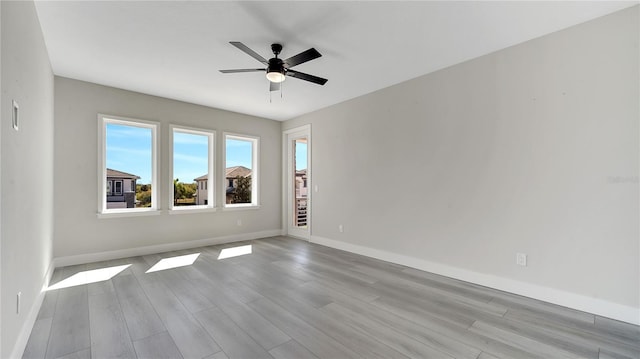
{"points": [[275, 76], [275, 71]]}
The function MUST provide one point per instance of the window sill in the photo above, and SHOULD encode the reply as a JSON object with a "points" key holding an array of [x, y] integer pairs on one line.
{"points": [[241, 208], [129, 213], [192, 210]]}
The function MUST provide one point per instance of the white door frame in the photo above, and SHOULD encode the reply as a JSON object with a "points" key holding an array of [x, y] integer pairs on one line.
{"points": [[287, 149]]}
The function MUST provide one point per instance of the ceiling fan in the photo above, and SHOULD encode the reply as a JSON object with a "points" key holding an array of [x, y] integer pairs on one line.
{"points": [[277, 69]]}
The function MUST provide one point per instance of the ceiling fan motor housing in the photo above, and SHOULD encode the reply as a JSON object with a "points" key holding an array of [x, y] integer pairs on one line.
{"points": [[276, 65]]}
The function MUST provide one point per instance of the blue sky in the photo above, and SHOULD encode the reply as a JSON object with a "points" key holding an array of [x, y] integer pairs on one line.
{"points": [[238, 153], [189, 156], [129, 150], [301, 156]]}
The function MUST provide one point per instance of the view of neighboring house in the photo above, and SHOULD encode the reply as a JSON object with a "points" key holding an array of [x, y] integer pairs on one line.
{"points": [[202, 192], [231, 174], [301, 183], [121, 189], [301, 198]]}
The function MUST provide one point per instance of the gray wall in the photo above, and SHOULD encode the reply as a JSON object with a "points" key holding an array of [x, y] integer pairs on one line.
{"points": [[27, 170], [531, 149], [78, 231]]}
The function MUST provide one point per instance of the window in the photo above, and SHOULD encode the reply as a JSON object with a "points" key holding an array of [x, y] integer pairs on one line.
{"points": [[192, 168], [128, 153], [241, 170], [118, 188]]}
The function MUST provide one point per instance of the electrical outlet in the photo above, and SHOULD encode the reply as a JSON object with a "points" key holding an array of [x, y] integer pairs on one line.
{"points": [[521, 259], [340, 228], [239, 222], [316, 188], [18, 302]]}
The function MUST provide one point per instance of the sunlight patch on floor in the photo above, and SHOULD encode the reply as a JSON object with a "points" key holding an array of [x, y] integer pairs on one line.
{"points": [[235, 251], [174, 262], [89, 276]]}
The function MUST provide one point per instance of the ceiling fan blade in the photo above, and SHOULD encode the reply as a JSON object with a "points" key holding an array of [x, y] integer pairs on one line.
{"points": [[302, 57], [241, 70], [306, 77], [248, 51], [274, 86]]}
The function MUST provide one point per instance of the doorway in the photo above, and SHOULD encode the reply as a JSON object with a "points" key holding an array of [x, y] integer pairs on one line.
{"points": [[298, 184]]}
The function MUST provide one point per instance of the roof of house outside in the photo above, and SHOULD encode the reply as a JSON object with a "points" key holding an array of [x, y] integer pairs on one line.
{"points": [[233, 172], [230, 172], [120, 174]]}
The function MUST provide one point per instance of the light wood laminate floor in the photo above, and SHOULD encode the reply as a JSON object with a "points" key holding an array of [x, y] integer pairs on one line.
{"points": [[292, 299]]}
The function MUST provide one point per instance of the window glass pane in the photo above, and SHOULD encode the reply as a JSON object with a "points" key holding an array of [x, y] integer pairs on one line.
{"points": [[190, 168], [238, 172], [300, 180], [128, 158]]}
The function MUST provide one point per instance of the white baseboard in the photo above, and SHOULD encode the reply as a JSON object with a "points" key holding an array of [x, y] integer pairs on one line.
{"points": [[32, 316], [175, 246], [566, 299]]}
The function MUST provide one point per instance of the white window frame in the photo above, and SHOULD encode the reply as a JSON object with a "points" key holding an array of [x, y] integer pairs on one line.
{"points": [[255, 171], [103, 212], [211, 136]]}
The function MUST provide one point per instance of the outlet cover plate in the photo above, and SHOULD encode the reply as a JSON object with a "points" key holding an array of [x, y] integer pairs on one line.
{"points": [[521, 259]]}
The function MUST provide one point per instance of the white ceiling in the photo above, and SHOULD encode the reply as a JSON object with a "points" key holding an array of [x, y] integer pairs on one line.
{"points": [[174, 49]]}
